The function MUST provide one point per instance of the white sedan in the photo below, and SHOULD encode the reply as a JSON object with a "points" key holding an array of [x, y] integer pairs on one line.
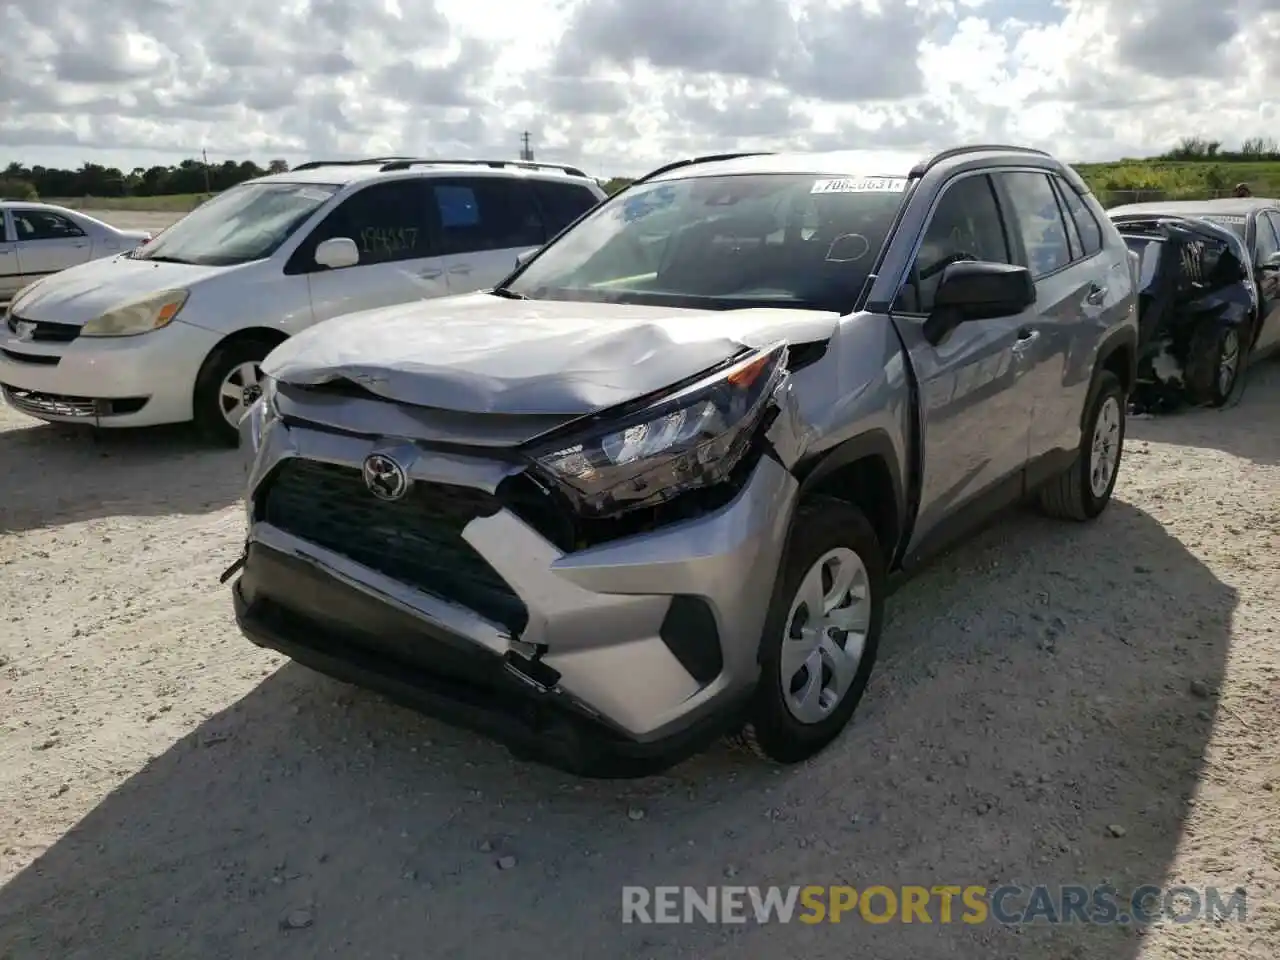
{"points": [[37, 239]]}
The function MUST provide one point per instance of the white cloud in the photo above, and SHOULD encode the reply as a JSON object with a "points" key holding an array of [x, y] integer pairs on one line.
{"points": [[622, 85]]}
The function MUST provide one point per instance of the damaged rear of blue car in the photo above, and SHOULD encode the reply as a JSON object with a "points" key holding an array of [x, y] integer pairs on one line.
{"points": [[1197, 306]]}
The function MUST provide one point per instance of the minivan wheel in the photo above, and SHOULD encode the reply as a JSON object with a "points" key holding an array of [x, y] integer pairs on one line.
{"points": [[228, 384], [1083, 491], [1216, 358], [820, 635]]}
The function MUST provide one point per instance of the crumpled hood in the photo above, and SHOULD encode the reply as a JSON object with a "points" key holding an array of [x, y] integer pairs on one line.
{"points": [[479, 353], [83, 292]]}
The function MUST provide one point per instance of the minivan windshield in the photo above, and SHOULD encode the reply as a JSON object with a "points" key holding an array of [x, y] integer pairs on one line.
{"points": [[726, 242], [247, 222]]}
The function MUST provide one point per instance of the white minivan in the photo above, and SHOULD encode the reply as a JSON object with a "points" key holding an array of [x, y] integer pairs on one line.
{"points": [[174, 331]]}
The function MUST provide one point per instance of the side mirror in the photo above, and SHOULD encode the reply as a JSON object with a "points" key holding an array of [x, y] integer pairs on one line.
{"points": [[977, 290], [1271, 263], [524, 256], [337, 252]]}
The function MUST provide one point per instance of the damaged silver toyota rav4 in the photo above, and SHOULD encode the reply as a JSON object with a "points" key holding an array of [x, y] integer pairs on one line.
{"points": [[651, 489]]}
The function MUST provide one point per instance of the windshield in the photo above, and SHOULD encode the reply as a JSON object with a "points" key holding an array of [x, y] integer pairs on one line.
{"points": [[784, 240], [245, 223]]}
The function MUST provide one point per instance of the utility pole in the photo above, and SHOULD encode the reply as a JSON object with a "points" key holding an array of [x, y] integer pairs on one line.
{"points": [[526, 152], [205, 155]]}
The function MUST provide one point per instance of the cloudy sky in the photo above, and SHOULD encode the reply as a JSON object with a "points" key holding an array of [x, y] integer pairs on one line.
{"points": [[621, 85]]}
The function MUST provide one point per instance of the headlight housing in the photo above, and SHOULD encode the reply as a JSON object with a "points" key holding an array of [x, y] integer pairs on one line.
{"points": [[693, 437], [257, 418], [137, 317]]}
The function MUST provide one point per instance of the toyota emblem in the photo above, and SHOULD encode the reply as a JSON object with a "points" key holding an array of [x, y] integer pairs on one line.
{"points": [[25, 329], [384, 477]]}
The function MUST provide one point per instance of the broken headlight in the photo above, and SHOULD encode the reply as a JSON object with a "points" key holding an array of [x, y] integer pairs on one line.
{"points": [[693, 437]]}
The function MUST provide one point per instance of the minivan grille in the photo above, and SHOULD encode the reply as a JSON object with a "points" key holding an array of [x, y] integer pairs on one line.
{"points": [[45, 331], [416, 540]]}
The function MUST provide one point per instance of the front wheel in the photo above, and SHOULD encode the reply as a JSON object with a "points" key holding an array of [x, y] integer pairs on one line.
{"points": [[820, 635], [1215, 359], [1083, 490], [228, 385]]}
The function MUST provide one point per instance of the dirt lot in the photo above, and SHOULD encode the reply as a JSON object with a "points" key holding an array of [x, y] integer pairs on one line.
{"points": [[167, 790]]}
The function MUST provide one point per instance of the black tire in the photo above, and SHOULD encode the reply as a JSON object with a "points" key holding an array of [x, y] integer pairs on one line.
{"points": [[1070, 495], [772, 732], [208, 414], [1211, 346]]}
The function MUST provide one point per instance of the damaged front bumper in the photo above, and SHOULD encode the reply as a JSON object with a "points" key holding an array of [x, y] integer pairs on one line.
{"points": [[616, 659]]}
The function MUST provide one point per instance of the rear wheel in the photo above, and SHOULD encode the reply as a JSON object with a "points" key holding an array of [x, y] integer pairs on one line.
{"points": [[821, 633], [228, 385], [1215, 359]]}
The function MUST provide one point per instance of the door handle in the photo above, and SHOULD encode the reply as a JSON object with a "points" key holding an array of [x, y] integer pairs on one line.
{"points": [[1095, 296], [430, 274], [462, 271]]}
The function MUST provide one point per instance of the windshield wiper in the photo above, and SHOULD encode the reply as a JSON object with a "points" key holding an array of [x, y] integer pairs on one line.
{"points": [[507, 294]]}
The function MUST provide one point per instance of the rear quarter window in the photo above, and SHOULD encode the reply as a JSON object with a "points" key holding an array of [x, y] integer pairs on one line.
{"points": [[562, 203]]}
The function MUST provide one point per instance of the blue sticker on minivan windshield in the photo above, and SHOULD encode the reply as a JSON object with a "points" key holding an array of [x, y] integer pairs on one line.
{"points": [[641, 205]]}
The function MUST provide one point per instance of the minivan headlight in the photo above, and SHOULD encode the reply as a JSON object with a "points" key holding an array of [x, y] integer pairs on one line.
{"points": [[691, 438], [137, 317]]}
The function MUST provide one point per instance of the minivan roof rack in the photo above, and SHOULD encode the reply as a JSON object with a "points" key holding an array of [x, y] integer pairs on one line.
{"points": [[314, 164], [709, 158], [924, 166], [404, 163]]}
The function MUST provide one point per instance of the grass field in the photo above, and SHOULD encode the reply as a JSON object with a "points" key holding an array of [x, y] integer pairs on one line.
{"points": [[174, 203]]}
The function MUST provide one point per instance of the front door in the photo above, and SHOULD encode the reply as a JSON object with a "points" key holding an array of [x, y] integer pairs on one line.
{"points": [[975, 406], [47, 242], [485, 223], [392, 226]]}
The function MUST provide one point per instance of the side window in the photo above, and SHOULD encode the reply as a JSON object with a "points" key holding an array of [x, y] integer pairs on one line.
{"points": [[562, 203], [1035, 210], [389, 222], [43, 225], [965, 226], [1266, 243], [1073, 232], [1082, 218], [486, 213]]}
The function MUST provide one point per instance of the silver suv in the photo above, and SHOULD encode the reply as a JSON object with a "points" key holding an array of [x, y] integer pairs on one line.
{"points": [[648, 490]]}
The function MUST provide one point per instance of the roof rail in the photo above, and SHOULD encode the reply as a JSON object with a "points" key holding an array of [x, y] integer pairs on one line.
{"points": [[404, 163], [924, 166], [709, 158], [314, 164]]}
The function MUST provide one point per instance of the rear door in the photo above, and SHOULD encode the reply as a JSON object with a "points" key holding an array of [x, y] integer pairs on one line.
{"points": [[47, 242], [485, 222], [1267, 242], [10, 275], [391, 224], [1081, 292]]}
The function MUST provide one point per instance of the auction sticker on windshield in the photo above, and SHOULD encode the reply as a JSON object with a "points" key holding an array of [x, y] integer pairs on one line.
{"points": [[861, 185]]}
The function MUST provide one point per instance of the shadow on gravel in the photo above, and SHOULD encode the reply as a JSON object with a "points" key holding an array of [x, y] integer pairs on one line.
{"points": [[52, 475], [1233, 430], [1033, 691]]}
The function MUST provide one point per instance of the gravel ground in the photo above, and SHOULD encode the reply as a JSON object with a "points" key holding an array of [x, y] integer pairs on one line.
{"points": [[1054, 704]]}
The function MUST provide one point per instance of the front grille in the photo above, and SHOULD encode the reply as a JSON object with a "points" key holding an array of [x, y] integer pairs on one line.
{"points": [[43, 331], [61, 405], [416, 541]]}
